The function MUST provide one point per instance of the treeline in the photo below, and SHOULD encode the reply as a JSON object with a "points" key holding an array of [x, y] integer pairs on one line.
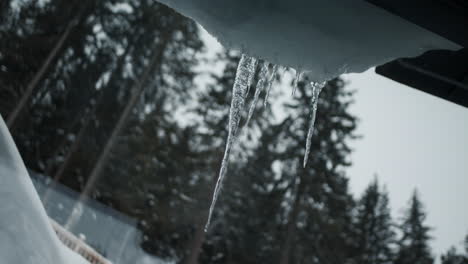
{"points": [[382, 240], [102, 96]]}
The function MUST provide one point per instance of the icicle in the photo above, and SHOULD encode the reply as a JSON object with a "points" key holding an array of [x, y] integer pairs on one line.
{"points": [[258, 90], [245, 71], [316, 89], [252, 69], [296, 81], [270, 82]]}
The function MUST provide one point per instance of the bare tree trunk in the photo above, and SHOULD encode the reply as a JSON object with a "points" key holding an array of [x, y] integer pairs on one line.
{"points": [[291, 228], [137, 90], [58, 175], [13, 116], [63, 142], [79, 137], [85, 123], [200, 233], [196, 244]]}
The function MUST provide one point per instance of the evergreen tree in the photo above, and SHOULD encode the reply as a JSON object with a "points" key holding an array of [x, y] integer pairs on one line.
{"points": [[153, 177], [74, 107], [413, 245], [453, 257], [160, 170], [257, 215], [307, 211], [231, 237], [161, 61], [116, 50], [318, 213], [374, 232]]}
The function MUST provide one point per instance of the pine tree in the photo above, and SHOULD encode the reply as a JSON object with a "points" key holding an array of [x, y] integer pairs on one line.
{"points": [[322, 196], [161, 172], [80, 98], [249, 207], [272, 209], [318, 215], [453, 257], [44, 50], [374, 232], [237, 214], [413, 245]]}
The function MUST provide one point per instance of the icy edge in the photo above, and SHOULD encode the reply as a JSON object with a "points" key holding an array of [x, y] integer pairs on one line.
{"points": [[324, 38]]}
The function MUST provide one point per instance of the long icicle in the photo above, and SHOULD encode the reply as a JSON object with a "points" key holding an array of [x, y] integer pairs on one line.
{"points": [[251, 77], [259, 88], [244, 76], [316, 89], [270, 82]]}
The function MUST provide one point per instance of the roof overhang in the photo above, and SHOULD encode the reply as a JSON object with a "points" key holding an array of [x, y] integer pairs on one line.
{"points": [[439, 72]]}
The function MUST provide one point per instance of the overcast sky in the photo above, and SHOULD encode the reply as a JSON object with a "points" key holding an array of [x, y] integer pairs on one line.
{"points": [[412, 139]]}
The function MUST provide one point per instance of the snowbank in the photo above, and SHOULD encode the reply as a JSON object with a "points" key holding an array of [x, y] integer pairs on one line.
{"points": [[26, 235], [325, 37]]}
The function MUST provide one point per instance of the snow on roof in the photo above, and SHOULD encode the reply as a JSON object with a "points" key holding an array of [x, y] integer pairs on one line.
{"points": [[324, 37]]}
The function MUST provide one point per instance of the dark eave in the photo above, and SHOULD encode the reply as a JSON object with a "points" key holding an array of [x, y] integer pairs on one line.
{"points": [[439, 72]]}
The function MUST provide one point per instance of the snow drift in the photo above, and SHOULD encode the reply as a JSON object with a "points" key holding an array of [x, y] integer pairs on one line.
{"points": [[26, 235], [323, 37]]}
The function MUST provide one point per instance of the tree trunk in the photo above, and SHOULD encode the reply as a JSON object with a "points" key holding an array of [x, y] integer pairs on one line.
{"points": [[85, 123], [79, 137], [196, 244], [291, 227], [200, 233], [137, 90], [63, 142], [21, 105]]}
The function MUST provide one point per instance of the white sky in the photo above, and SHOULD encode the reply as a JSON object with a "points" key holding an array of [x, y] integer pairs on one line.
{"points": [[411, 140]]}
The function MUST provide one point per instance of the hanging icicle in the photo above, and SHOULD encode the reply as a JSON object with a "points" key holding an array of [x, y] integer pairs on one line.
{"points": [[270, 82], [251, 76], [316, 89], [244, 77], [259, 88]]}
